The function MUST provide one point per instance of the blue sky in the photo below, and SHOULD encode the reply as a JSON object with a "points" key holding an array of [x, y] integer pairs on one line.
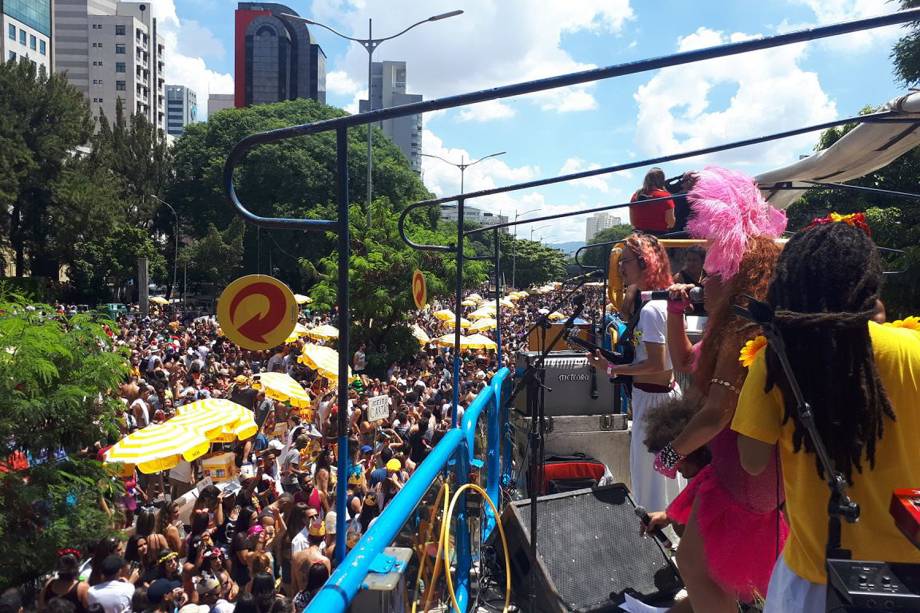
{"points": [[497, 42]]}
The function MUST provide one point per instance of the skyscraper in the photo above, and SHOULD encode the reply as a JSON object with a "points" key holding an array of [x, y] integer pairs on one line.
{"points": [[597, 222], [219, 102], [388, 88], [112, 50], [276, 58], [181, 108], [27, 32]]}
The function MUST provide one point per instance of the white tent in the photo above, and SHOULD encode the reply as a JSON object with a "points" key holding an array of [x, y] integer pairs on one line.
{"points": [[864, 149]]}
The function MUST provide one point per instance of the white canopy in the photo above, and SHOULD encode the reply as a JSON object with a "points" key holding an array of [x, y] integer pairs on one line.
{"points": [[864, 149]]}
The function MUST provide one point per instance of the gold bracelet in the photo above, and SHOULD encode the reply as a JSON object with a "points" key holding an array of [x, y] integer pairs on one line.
{"points": [[725, 384]]}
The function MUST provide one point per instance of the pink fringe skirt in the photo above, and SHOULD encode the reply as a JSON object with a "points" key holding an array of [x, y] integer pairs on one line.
{"points": [[740, 544]]}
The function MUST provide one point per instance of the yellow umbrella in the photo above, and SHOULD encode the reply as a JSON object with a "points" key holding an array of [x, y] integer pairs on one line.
{"points": [[324, 332], [464, 323], [483, 312], [324, 360], [219, 419], [158, 300], [420, 334], [473, 341], [299, 330], [474, 297], [158, 447], [507, 303], [301, 299], [555, 316], [483, 325], [281, 387], [522, 294], [469, 303], [445, 315]]}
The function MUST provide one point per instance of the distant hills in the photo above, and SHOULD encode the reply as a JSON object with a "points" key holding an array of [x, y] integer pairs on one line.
{"points": [[568, 248]]}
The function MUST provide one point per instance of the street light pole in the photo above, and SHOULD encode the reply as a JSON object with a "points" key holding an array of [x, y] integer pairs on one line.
{"points": [[370, 44], [176, 252], [463, 165]]}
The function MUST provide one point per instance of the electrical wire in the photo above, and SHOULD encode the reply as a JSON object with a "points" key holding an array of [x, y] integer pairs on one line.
{"points": [[445, 530]]}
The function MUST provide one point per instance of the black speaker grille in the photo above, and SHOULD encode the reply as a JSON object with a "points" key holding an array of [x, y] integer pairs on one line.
{"points": [[590, 545]]}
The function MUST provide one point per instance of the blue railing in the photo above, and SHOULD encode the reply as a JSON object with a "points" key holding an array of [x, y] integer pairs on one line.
{"points": [[458, 446]]}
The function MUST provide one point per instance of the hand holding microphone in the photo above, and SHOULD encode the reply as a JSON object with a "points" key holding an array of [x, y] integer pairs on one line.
{"points": [[680, 297]]}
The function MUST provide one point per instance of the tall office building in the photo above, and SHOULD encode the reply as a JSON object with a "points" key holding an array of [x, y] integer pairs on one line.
{"points": [[219, 102], [598, 222], [276, 57], [388, 88], [27, 31], [112, 50], [181, 108]]}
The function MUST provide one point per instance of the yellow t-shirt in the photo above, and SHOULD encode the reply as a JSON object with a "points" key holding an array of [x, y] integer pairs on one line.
{"points": [[897, 462]]}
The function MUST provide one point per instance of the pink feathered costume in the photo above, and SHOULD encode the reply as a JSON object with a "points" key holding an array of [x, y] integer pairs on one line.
{"points": [[738, 515]]}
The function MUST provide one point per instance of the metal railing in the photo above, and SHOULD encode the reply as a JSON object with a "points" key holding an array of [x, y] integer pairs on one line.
{"points": [[349, 576]]}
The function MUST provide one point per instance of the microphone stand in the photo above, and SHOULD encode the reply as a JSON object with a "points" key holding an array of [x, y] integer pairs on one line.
{"points": [[840, 504], [533, 380]]}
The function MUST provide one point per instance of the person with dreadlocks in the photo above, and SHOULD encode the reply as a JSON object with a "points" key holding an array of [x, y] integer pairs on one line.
{"points": [[862, 380], [644, 264], [722, 502]]}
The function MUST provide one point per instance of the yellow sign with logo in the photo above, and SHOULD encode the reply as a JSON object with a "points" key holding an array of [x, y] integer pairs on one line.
{"points": [[257, 312], [419, 290]]}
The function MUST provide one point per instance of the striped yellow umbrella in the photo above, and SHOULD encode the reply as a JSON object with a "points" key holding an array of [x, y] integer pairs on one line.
{"points": [[283, 387], [219, 419], [324, 360], [420, 335], [160, 300], [301, 299], [555, 316], [487, 323], [473, 341], [474, 297], [299, 330], [483, 312], [158, 447], [464, 323], [507, 304], [445, 315], [324, 332], [469, 303]]}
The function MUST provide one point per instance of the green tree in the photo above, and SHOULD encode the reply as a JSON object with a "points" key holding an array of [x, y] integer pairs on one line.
{"points": [[598, 256], [380, 276], [906, 52], [216, 258], [44, 119], [57, 378], [533, 262], [294, 178]]}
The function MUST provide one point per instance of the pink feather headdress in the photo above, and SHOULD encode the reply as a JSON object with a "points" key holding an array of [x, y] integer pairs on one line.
{"points": [[727, 209]]}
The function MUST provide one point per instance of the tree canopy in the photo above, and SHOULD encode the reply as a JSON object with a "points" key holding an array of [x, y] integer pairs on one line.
{"points": [[598, 255]]}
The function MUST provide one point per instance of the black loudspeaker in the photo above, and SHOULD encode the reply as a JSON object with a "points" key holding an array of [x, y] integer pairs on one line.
{"points": [[589, 553]]}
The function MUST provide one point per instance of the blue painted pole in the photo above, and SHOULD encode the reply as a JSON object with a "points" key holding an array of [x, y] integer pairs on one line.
{"points": [[498, 299], [458, 298], [344, 329]]}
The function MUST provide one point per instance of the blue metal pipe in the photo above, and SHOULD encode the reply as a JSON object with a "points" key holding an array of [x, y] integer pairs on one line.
{"points": [[347, 579]]}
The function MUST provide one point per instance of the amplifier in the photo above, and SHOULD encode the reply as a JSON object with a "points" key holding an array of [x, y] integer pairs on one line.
{"points": [[578, 387], [858, 586]]}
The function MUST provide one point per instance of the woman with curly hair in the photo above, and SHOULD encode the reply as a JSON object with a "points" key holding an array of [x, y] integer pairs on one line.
{"points": [[644, 264], [862, 380], [723, 502]]}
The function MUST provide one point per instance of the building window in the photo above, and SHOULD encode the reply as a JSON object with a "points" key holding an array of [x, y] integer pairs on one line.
{"points": [[12, 30], [119, 49], [22, 37], [12, 56], [120, 86], [42, 48], [120, 30], [33, 42], [120, 67]]}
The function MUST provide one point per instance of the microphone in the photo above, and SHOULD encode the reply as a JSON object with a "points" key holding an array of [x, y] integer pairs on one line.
{"points": [[643, 516], [594, 274], [695, 294]]}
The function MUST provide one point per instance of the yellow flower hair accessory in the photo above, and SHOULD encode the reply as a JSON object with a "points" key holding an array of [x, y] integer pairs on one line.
{"points": [[751, 349], [910, 323]]}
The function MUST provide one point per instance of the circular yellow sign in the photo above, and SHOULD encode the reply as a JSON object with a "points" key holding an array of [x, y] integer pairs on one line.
{"points": [[257, 312], [419, 290]]}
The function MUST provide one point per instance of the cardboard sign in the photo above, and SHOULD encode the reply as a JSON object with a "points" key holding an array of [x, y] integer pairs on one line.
{"points": [[204, 483], [378, 407]]}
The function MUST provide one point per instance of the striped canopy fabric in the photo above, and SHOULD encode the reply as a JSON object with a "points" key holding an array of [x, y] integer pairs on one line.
{"points": [[158, 447], [324, 332], [219, 419], [324, 360], [283, 387]]}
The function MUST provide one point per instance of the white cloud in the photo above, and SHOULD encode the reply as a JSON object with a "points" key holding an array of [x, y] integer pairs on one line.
{"points": [[773, 94], [836, 11], [477, 50], [188, 44], [486, 111], [338, 82], [573, 165]]}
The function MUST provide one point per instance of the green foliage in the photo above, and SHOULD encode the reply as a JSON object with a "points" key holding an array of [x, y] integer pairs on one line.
{"points": [[44, 118], [380, 274], [599, 255], [57, 378], [533, 263], [217, 257], [906, 52], [895, 223], [294, 178]]}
